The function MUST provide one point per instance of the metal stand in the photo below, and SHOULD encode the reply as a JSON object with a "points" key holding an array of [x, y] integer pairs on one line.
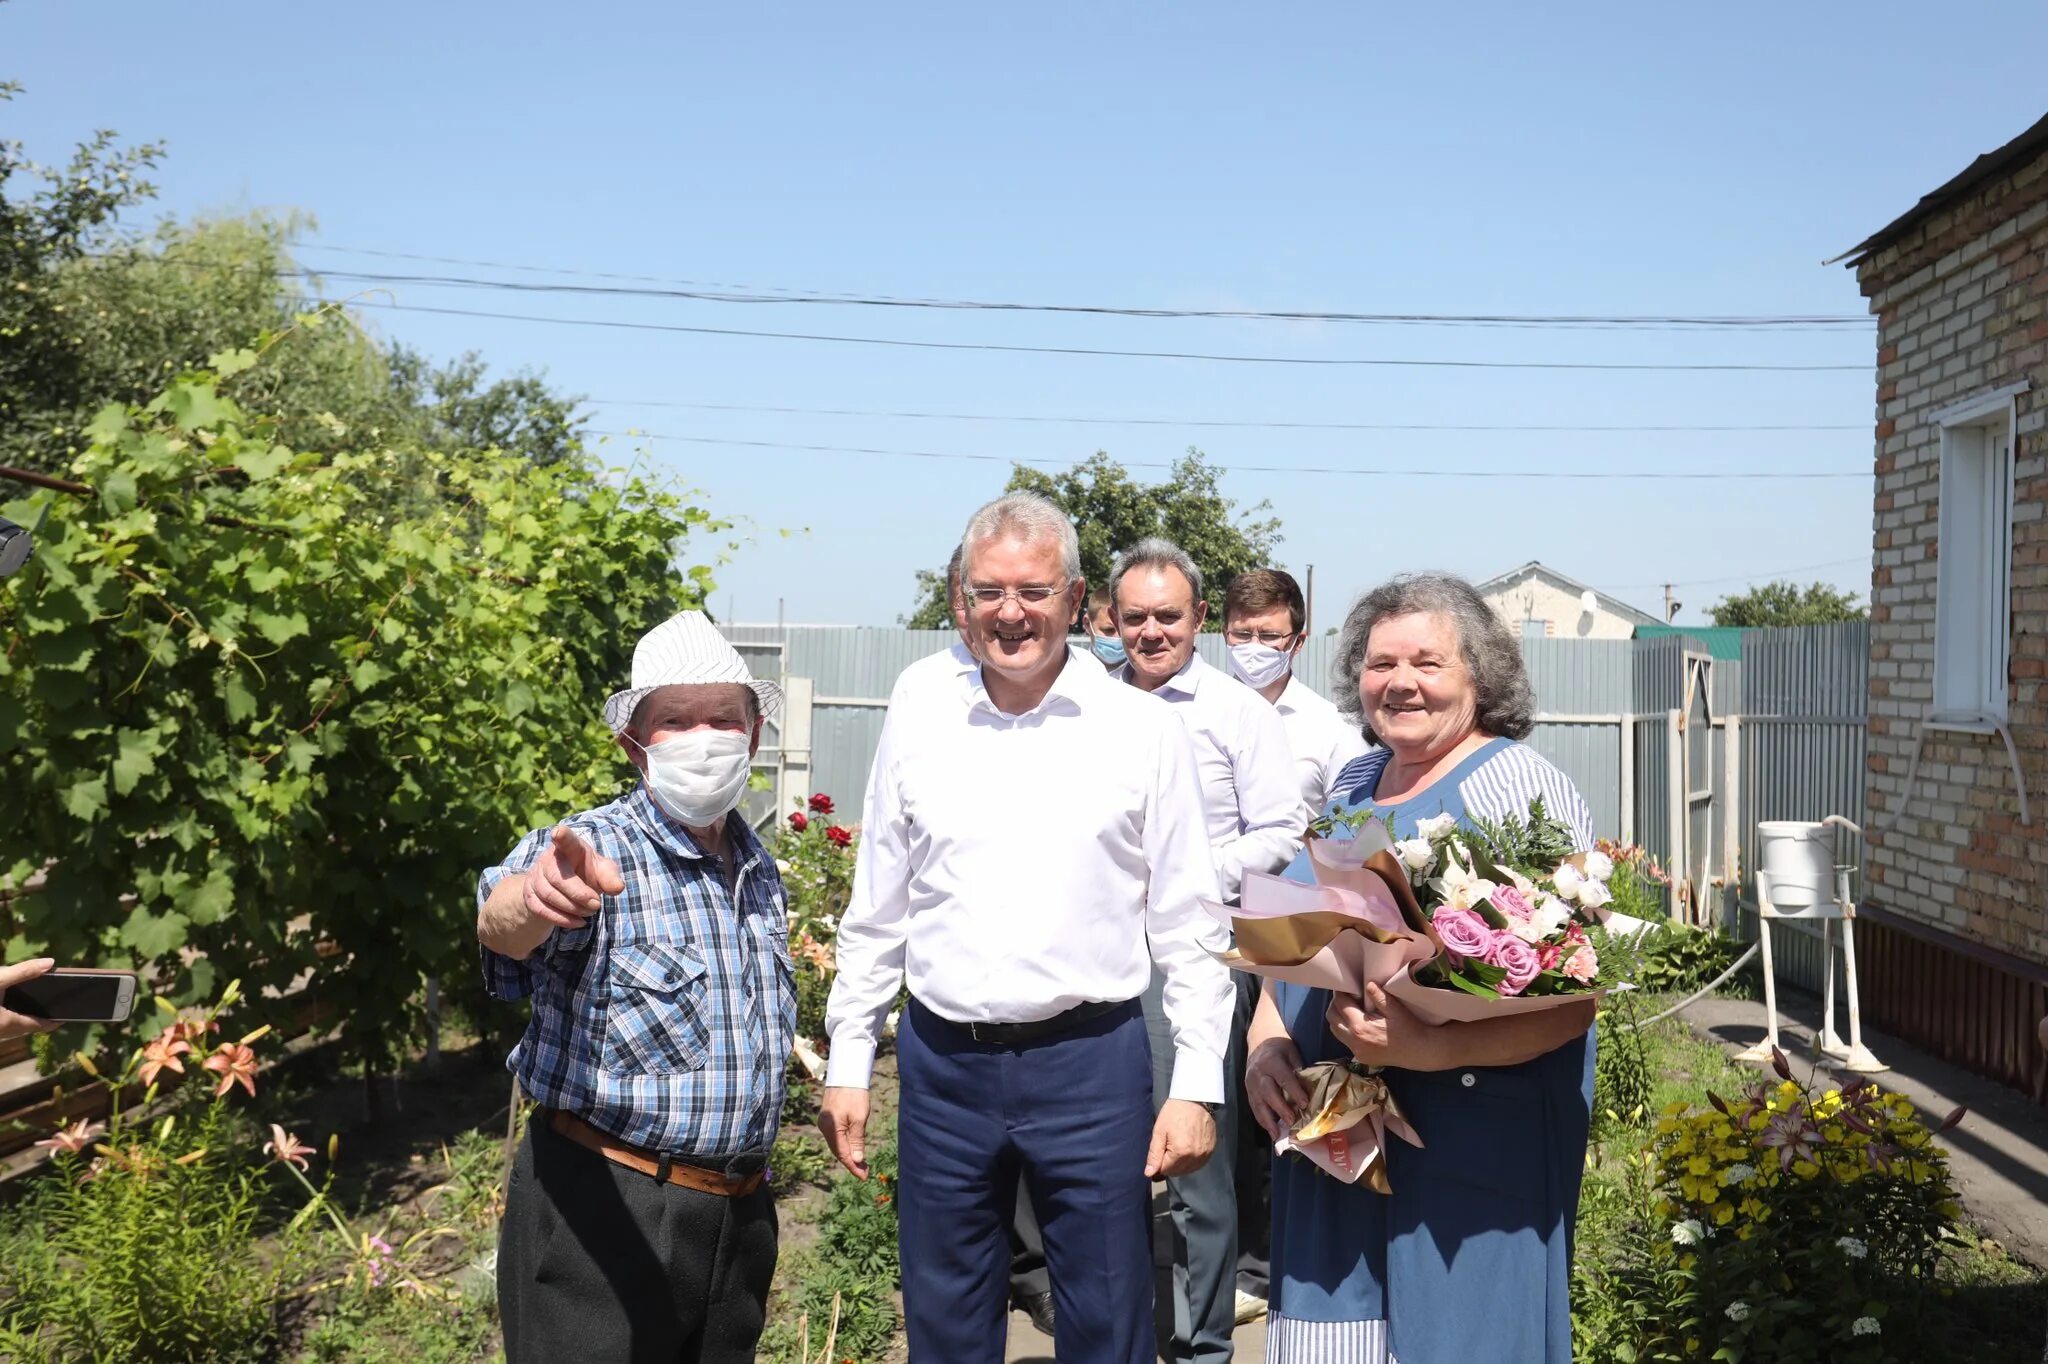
{"points": [[1831, 1052]]}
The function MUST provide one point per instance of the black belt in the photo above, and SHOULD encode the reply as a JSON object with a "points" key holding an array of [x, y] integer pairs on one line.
{"points": [[1014, 1034]]}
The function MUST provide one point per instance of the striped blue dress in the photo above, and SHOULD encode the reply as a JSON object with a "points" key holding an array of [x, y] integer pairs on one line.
{"points": [[1470, 1257]]}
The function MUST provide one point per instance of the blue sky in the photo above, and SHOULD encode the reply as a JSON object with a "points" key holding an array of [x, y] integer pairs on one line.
{"points": [[1490, 158]]}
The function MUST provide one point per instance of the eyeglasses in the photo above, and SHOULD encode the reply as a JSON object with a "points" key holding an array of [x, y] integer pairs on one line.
{"points": [[1033, 594], [1270, 638]]}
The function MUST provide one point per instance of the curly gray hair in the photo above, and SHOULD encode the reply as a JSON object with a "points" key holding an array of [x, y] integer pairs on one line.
{"points": [[1506, 702]]}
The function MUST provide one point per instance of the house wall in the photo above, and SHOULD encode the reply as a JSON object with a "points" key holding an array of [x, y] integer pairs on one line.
{"points": [[1962, 306], [1545, 601]]}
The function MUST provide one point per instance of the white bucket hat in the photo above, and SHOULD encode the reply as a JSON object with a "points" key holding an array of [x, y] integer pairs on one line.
{"points": [[685, 650]]}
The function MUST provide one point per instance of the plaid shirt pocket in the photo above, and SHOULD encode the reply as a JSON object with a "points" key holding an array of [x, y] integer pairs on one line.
{"points": [[656, 1023]]}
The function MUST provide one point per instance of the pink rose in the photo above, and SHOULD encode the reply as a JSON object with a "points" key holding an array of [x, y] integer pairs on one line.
{"points": [[1582, 966], [1515, 957], [1463, 931], [1511, 902]]}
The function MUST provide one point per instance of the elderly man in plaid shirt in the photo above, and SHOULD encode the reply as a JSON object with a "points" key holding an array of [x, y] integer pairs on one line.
{"points": [[650, 934]]}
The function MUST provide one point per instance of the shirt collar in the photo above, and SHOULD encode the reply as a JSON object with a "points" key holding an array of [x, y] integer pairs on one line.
{"points": [[1292, 696], [666, 832], [1067, 693], [1183, 684]]}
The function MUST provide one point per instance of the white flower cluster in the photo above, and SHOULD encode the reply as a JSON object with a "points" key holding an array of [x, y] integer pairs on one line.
{"points": [[1852, 1247], [1738, 1311], [1738, 1174], [1864, 1326], [1688, 1232]]}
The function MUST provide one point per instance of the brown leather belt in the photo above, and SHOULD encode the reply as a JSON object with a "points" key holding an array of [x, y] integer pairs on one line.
{"points": [[662, 1168]]}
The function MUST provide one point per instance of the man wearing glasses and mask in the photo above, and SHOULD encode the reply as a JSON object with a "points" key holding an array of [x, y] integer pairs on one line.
{"points": [[1025, 910], [1265, 624]]}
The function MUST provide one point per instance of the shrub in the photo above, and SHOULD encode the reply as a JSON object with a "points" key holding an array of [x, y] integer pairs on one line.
{"points": [[1800, 1224], [854, 1262], [815, 857]]}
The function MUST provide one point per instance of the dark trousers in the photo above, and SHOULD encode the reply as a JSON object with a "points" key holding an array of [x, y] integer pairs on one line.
{"points": [[1204, 1205], [1073, 1114], [1254, 1161], [599, 1263], [1027, 1250]]}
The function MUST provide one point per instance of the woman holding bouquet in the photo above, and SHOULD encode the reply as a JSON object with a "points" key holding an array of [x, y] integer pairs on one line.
{"points": [[1469, 1256]]}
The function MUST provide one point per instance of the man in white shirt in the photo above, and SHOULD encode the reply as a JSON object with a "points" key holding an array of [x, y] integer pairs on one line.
{"points": [[1255, 820], [1025, 910], [949, 664], [1265, 623]]}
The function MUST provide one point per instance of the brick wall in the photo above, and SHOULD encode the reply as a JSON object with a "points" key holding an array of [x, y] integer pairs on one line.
{"points": [[1962, 306]]}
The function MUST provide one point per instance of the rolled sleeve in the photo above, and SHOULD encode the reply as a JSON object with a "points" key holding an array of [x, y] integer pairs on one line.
{"points": [[870, 941], [505, 978], [1184, 938], [1271, 816]]}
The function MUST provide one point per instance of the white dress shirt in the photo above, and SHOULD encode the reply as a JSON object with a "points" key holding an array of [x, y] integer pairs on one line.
{"points": [[1014, 866], [1320, 738], [1250, 800], [943, 670]]}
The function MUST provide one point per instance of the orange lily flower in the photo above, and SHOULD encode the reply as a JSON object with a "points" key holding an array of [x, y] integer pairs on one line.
{"points": [[162, 1054], [236, 1065]]}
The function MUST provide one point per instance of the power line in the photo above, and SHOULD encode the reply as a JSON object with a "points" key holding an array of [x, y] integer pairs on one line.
{"points": [[1375, 362], [1717, 475], [1232, 425], [707, 292]]}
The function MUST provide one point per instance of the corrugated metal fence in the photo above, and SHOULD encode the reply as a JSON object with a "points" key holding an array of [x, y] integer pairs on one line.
{"points": [[1672, 749]]}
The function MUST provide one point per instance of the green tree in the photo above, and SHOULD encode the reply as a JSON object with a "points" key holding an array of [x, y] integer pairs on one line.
{"points": [[1112, 512], [1783, 603], [51, 217], [255, 723]]}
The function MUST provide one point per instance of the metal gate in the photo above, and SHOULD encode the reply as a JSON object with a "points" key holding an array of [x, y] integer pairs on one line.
{"points": [[1693, 846]]}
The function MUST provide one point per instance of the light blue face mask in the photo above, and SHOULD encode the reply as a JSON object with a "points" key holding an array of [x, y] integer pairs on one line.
{"points": [[1108, 648]]}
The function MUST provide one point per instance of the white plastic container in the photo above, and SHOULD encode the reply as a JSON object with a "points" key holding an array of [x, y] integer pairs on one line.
{"points": [[1798, 858]]}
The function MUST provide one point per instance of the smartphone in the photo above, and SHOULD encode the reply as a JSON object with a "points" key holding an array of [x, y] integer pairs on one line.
{"points": [[74, 995]]}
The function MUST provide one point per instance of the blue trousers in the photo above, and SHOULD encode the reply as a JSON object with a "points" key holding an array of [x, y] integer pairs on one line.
{"points": [[1073, 1114]]}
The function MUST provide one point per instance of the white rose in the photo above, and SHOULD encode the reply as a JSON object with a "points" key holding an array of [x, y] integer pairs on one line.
{"points": [[1416, 853], [1593, 895], [1551, 915], [1568, 881], [1435, 825], [1475, 892], [1526, 929], [1599, 866]]}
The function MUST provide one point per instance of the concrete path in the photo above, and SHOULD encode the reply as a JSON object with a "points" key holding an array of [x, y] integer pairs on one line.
{"points": [[1998, 1153]]}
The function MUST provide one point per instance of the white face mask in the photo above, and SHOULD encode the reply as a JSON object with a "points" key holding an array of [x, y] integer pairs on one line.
{"points": [[1259, 665], [698, 777]]}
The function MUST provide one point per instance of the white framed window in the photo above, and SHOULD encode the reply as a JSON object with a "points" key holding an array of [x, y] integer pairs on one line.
{"points": [[1973, 576]]}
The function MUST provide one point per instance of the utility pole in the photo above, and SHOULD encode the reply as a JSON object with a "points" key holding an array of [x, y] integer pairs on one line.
{"points": [[1308, 614], [1670, 606]]}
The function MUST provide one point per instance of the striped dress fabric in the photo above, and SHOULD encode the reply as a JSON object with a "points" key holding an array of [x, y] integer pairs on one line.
{"points": [[1326, 1342], [1497, 789]]}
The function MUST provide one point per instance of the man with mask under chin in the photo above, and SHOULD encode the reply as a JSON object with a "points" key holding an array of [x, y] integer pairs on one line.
{"points": [[651, 936]]}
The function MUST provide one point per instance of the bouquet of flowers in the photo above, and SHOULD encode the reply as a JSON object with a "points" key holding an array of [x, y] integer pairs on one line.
{"points": [[1508, 907]]}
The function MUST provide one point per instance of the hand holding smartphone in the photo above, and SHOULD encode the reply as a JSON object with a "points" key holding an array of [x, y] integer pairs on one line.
{"points": [[36, 997]]}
